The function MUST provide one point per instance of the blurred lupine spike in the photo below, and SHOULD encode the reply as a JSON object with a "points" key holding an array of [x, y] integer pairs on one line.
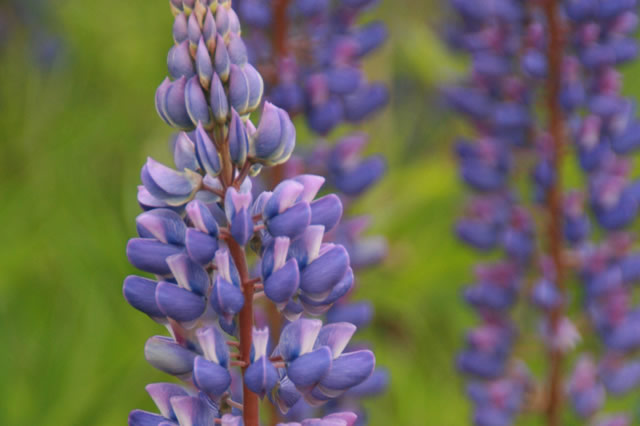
{"points": [[561, 55], [196, 228]]}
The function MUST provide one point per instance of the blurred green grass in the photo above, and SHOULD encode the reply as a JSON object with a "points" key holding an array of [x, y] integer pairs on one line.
{"points": [[72, 141]]}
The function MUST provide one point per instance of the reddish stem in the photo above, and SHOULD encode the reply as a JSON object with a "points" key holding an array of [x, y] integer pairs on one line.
{"points": [[281, 27], [250, 412], [555, 231]]}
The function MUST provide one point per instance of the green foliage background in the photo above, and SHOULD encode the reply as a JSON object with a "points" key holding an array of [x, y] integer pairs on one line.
{"points": [[72, 140]]}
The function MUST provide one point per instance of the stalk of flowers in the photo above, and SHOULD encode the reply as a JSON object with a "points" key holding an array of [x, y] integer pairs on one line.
{"points": [[571, 47], [197, 233], [496, 101]]}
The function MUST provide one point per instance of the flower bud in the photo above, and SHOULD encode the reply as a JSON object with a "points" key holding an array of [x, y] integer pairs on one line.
{"points": [[196, 104], [218, 100], [221, 60], [238, 140], [179, 61], [204, 66], [209, 32], [237, 207], [180, 33], [206, 153], [174, 105], [184, 153]]}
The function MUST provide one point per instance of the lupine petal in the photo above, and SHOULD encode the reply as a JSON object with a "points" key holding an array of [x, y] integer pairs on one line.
{"points": [[141, 294], [283, 283], [200, 246], [348, 370], [144, 418], [210, 377], [214, 345], [297, 338], [261, 377], [292, 222], [238, 140], [180, 28], [189, 274], [160, 99], [193, 411], [162, 224], [238, 89], [325, 272], [336, 337], [150, 255], [202, 218], [179, 303], [326, 211], [168, 356], [308, 369], [256, 86], [226, 299], [161, 393]]}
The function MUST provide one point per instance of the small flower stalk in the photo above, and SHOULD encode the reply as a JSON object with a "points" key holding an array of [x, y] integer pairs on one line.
{"points": [[544, 91], [218, 250]]}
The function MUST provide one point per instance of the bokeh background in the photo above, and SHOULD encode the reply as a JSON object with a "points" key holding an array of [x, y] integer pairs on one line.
{"points": [[77, 120]]}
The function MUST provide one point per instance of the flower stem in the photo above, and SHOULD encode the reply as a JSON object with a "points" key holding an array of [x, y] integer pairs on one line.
{"points": [[281, 27], [554, 203], [250, 411]]}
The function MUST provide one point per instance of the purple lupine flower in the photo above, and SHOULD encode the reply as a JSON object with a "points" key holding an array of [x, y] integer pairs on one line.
{"points": [[200, 219]]}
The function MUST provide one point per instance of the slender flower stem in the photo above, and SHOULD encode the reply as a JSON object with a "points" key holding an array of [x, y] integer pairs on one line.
{"points": [[250, 413], [281, 27], [555, 232], [249, 399]]}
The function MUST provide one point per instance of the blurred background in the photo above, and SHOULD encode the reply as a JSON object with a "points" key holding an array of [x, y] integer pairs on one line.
{"points": [[77, 121]]}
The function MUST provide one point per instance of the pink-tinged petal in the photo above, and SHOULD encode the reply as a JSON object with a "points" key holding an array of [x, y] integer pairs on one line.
{"points": [[193, 411], [214, 345], [312, 184], [298, 337], [260, 342], [162, 224], [201, 217], [161, 393], [184, 153], [284, 196], [336, 336], [189, 274]]}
